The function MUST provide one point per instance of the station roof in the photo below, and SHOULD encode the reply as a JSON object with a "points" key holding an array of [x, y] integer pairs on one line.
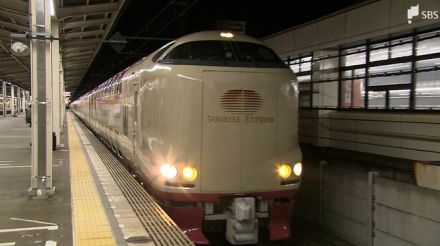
{"points": [[14, 18], [84, 24]]}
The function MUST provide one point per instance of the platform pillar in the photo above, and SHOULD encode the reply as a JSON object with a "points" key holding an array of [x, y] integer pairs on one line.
{"points": [[18, 100], [23, 101], [5, 98], [13, 100], [63, 98], [41, 78], [56, 97]]}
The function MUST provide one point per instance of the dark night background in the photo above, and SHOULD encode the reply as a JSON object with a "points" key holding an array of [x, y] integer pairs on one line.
{"points": [[174, 18]]}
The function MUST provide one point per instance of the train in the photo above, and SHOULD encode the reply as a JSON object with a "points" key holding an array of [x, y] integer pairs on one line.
{"points": [[208, 123]]}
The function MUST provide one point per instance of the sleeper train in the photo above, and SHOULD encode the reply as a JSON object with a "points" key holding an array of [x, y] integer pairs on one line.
{"points": [[209, 124]]}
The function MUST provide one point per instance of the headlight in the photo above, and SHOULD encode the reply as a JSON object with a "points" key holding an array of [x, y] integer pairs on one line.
{"points": [[189, 173], [297, 169], [284, 171], [168, 171]]}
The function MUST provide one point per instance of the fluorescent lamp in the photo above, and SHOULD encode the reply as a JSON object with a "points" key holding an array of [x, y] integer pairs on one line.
{"points": [[51, 8]]}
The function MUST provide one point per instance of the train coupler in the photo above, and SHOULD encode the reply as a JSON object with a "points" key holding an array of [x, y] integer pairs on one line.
{"points": [[242, 225]]}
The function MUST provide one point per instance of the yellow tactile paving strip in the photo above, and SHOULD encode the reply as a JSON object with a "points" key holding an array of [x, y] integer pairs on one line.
{"points": [[90, 223]]}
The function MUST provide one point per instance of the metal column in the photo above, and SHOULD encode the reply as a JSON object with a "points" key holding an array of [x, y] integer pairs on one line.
{"points": [[4, 98], [56, 97], [41, 66], [62, 96], [12, 100], [23, 101], [18, 100]]}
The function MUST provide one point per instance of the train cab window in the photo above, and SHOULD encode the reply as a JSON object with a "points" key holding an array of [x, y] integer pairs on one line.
{"points": [[257, 55], [223, 53], [210, 52]]}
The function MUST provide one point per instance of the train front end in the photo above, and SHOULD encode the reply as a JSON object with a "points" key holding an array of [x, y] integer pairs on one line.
{"points": [[234, 119], [250, 149]]}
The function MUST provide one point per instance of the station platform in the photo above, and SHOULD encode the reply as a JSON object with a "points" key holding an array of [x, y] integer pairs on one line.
{"points": [[96, 202]]}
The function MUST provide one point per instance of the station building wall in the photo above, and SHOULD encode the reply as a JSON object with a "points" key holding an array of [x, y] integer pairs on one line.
{"points": [[368, 80]]}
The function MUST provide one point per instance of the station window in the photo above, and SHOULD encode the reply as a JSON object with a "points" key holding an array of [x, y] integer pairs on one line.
{"points": [[304, 94], [379, 52], [400, 73], [399, 99], [401, 47], [390, 74], [428, 44], [352, 92], [376, 99], [301, 64], [354, 56], [428, 90]]}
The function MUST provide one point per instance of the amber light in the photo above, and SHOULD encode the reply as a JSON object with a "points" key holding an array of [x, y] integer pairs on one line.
{"points": [[284, 171], [189, 173]]}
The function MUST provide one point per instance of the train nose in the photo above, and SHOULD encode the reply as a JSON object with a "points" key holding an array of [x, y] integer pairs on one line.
{"points": [[239, 130]]}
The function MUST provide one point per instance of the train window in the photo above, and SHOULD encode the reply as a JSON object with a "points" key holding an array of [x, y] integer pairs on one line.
{"points": [[210, 52], [221, 53]]}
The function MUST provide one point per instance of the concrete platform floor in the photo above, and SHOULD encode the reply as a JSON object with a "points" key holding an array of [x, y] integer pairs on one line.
{"points": [[24, 221]]}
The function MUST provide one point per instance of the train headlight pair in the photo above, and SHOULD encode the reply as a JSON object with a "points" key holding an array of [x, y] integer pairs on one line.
{"points": [[285, 170], [170, 171]]}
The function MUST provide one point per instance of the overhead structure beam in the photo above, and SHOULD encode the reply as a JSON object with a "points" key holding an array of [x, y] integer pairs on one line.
{"points": [[77, 59], [113, 19], [14, 26], [5, 34], [19, 6], [87, 10], [16, 73], [93, 33], [16, 16], [81, 42], [78, 54], [84, 23], [78, 49]]}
